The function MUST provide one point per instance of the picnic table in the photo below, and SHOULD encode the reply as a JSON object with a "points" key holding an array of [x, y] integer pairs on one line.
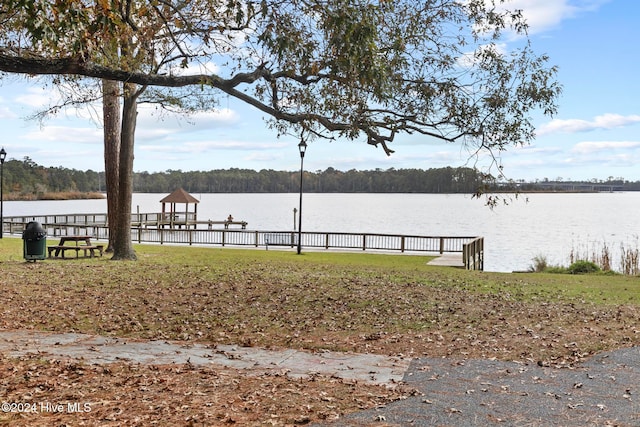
{"points": [[79, 243]]}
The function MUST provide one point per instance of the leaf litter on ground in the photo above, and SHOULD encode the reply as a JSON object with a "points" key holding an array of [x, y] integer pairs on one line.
{"points": [[383, 304]]}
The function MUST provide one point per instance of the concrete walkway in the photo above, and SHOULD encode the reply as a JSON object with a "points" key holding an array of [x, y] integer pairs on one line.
{"points": [[448, 260], [369, 368]]}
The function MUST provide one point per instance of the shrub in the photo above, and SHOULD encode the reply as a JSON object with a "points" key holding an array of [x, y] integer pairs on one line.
{"points": [[556, 269], [583, 267], [539, 265]]}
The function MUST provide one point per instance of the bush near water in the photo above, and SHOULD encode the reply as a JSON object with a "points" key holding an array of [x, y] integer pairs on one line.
{"points": [[594, 260]]}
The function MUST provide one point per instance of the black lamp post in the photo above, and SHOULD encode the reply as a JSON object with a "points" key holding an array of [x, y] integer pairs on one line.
{"points": [[3, 155], [302, 147]]}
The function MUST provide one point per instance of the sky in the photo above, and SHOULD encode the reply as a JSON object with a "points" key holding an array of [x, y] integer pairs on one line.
{"points": [[594, 135]]}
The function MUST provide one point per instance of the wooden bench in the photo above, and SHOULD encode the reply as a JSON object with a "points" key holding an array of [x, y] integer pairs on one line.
{"points": [[281, 239], [61, 249], [226, 224]]}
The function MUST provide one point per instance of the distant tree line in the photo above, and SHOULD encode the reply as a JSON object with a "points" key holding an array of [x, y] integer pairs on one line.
{"points": [[443, 180], [26, 177]]}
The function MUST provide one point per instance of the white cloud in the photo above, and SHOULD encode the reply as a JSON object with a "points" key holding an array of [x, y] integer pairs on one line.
{"points": [[470, 59], [38, 99], [6, 113], [266, 157], [209, 119], [204, 146], [195, 69], [150, 118], [542, 15], [153, 126], [65, 134], [150, 133], [605, 121], [531, 149], [34, 97], [604, 154], [590, 147]]}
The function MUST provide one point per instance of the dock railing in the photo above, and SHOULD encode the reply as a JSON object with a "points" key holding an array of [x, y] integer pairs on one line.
{"points": [[473, 254], [144, 231]]}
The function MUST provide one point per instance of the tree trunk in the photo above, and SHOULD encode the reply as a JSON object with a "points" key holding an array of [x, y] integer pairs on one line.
{"points": [[122, 245], [111, 119]]}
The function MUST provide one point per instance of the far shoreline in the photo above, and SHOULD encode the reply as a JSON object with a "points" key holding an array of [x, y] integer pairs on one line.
{"points": [[65, 195]]}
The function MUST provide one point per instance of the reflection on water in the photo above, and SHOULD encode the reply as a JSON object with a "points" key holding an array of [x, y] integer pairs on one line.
{"points": [[549, 224]]}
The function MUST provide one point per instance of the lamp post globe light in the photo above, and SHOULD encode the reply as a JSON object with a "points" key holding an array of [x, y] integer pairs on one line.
{"points": [[302, 147], [3, 155]]}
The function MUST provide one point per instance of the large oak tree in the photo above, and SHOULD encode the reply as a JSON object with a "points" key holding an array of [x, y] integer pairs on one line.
{"points": [[334, 69]]}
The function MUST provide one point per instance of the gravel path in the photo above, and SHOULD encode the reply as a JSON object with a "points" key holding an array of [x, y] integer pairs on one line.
{"points": [[604, 391]]}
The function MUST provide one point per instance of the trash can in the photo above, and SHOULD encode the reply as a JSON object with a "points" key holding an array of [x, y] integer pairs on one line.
{"points": [[35, 241]]}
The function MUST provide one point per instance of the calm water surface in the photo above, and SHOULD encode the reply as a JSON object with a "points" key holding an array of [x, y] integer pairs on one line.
{"points": [[548, 224]]}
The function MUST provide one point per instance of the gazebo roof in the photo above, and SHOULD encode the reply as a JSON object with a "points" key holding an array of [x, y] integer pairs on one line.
{"points": [[180, 196]]}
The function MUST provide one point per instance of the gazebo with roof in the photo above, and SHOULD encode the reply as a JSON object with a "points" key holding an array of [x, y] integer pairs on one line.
{"points": [[174, 217]]}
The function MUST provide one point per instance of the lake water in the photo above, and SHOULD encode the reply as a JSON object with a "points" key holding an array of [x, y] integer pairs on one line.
{"points": [[548, 224]]}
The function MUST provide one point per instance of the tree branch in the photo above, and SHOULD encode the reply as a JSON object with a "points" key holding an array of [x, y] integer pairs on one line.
{"points": [[38, 65]]}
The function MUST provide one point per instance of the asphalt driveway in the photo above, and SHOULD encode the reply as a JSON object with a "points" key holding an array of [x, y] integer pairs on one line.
{"points": [[604, 391]]}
